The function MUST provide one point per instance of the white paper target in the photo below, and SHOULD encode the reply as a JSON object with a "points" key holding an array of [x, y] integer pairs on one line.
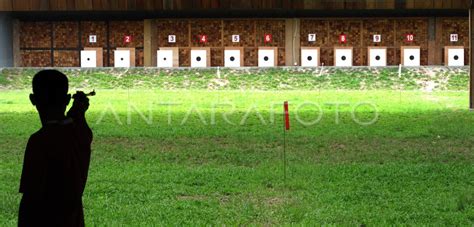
{"points": [[198, 58], [164, 58], [309, 57], [88, 59], [456, 57], [232, 58], [266, 58], [343, 57], [122, 58], [378, 57], [411, 57]]}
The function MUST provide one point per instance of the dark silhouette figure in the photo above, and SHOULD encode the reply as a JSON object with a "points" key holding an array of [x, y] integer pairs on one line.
{"points": [[57, 156]]}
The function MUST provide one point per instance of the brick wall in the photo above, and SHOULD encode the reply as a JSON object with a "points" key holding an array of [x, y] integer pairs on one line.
{"points": [[453, 26], [219, 33], [393, 30], [59, 43]]}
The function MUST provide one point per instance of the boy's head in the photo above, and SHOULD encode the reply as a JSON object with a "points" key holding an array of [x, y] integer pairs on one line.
{"points": [[50, 90]]}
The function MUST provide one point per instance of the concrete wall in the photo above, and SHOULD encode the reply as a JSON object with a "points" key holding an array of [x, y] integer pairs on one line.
{"points": [[6, 40]]}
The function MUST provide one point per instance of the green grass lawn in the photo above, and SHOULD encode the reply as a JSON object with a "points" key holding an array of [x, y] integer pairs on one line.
{"points": [[215, 157]]}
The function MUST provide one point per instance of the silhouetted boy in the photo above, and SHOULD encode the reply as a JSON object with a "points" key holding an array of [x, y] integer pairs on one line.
{"points": [[57, 156]]}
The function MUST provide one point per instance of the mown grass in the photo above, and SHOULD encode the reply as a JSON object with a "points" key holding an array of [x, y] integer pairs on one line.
{"points": [[414, 165], [429, 78]]}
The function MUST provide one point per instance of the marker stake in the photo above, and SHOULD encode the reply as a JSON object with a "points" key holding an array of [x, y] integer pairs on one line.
{"points": [[286, 119], [400, 82]]}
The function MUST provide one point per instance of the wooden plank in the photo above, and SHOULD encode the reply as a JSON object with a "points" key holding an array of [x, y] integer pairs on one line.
{"points": [[297, 4], [168, 4], [287, 4], [339, 4], [400, 4], [438, 4], [118, 4], [370, 4], [83, 4], [128, 5], [186, 5], [22, 5], [328, 5], [140, 4], [6, 5], [447, 4], [439, 40], [16, 44], [100, 5], [292, 42], [35, 4], [132, 5], [432, 47], [460, 4], [149, 5], [386, 4], [289, 42], [147, 46], [359, 4], [225, 4], [317, 4], [423, 4], [471, 58], [57, 5], [113, 5]]}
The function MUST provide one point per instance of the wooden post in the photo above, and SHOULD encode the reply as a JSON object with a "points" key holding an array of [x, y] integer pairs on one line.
{"points": [[471, 57], [16, 44], [292, 42], [149, 45], [432, 47]]}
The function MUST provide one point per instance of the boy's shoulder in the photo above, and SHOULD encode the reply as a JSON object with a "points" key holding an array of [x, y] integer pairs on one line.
{"points": [[35, 137], [51, 132]]}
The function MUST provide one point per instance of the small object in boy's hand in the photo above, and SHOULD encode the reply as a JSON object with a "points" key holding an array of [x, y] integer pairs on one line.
{"points": [[81, 93], [92, 93]]}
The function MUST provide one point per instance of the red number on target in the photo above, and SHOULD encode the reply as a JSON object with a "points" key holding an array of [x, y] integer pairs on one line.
{"points": [[343, 39], [203, 38], [127, 39], [268, 38]]}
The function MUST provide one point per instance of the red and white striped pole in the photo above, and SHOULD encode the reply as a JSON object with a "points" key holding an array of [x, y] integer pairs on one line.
{"points": [[286, 117]]}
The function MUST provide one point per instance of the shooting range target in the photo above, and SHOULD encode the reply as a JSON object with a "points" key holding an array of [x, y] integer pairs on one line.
{"points": [[309, 57], [343, 56], [377, 56], [165, 58], [122, 58], [232, 58], [454, 56], [199, 58], [88, 59], [267, 57], [410, 56]]}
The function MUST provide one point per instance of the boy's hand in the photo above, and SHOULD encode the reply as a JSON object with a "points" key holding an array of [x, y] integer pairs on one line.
{"points": [[80, 104]]}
